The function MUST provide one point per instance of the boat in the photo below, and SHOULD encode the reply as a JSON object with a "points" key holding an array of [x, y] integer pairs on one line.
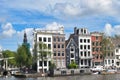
{"points": [[97, 69], [95, 73]]}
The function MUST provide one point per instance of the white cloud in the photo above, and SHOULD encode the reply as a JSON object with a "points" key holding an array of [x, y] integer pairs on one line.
{"points": [[53, 26], [85, 7], [112, 30], [66, 8], [108, 29], [7, 30], [29, 32]]}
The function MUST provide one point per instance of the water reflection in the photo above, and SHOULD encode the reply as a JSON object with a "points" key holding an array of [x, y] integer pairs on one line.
{"points": [[80, 77]]}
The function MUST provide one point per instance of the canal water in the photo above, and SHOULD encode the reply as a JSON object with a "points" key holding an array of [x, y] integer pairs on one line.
{"points": [[80, 77]]}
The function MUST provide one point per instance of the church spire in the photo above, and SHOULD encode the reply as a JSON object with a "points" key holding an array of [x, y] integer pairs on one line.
{"points": [[25, 38]]}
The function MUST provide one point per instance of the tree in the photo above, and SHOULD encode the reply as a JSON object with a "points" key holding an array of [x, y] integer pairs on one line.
{"points": [[43, 53], [106, 46], [35, 57], [72, 65], [23, 56], [8, 54]]}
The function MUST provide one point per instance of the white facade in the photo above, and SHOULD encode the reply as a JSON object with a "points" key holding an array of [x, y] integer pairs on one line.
{"points": [[117, 57], [45, 39], [85, 48], [45, 36], [109, 63]]}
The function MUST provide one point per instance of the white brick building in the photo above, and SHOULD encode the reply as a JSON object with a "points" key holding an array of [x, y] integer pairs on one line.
{"points": [[46, 36], [84, 41]]}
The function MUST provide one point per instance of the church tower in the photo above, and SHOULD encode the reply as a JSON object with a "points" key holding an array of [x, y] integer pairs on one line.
{"points": [[25, 38]]}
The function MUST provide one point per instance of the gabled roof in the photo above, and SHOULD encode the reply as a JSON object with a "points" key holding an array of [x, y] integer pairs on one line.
{"points": [[72, 37]]}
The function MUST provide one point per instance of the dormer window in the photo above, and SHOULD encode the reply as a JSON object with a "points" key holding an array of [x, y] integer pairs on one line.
{"points": [[84, 31], [81, 30]]}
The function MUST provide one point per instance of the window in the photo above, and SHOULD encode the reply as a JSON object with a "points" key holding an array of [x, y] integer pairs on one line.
{"points": [[72, 55], [97, 56], [97, 49], [117, 63], [108, 54], [45, 63], [62, 45], [112, 54], [49, 46], [108, 61], [117, 57], [58, 45], [62, 39], [88, 53], [85, 62], [54, 39], [108, 48], [81, 46], [93, 43], [40, 63], [49, 39], [84, 31], [81, 62], [58, 39], [101, 57], [81, 53], [44, 39], [81, 30], [62, 53], [40, 39], [96, 37], [93, 49], [105, 61], [58, 53], [96, 43], [81, 40], [45, 70], [112, 61], [85, 54], [84, 40], [54, 53], [88, 46], [72, 49], [116, 50], [100, 49], [84, 46], [88, 40], [100, 43], [54, 45]]}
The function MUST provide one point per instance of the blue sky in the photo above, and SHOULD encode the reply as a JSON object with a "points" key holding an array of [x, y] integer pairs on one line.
{"points": [[17, 16]]}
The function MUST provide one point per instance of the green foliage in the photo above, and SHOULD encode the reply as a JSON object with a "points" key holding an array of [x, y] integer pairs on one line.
{"points": [[52, 65], [107, 46], [43, 52], [23, 56], [73, 65], [8, 54]]}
